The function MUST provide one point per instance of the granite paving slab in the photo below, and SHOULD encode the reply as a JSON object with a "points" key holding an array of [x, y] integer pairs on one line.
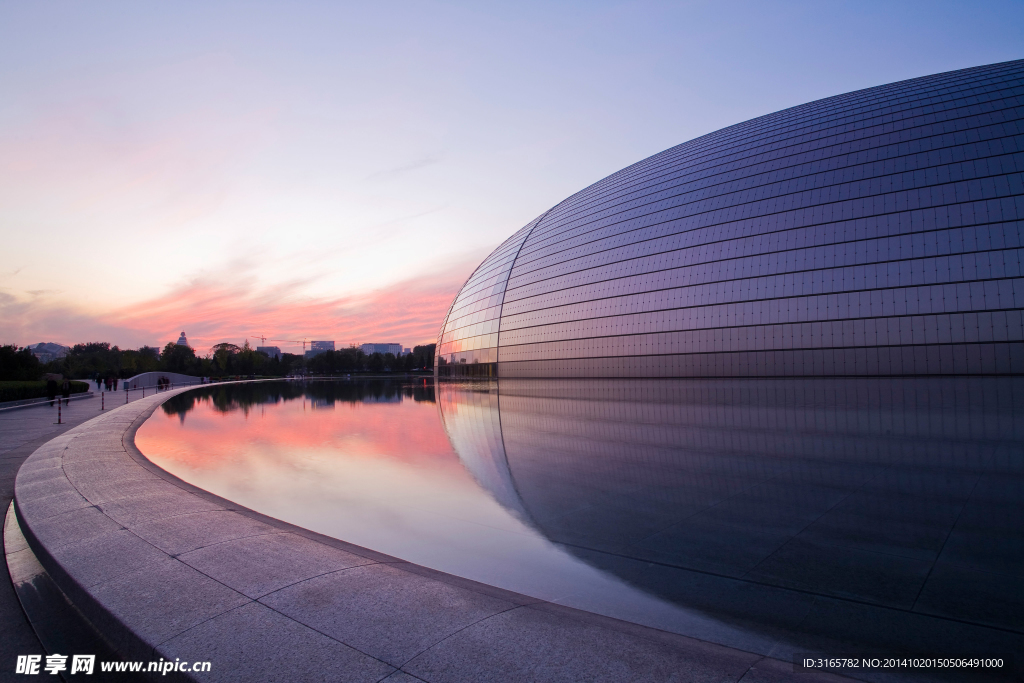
{"points": [[527, 644], [183, 533], [255, 643], [258, 565], [383, 610]]}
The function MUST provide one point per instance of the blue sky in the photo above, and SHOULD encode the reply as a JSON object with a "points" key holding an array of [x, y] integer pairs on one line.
{"points": [[335, 171]]}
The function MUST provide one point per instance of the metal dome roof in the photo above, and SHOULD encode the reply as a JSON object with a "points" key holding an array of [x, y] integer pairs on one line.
{"points": [[873, 233]]}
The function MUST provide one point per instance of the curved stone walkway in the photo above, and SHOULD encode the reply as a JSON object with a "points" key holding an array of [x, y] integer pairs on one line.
{"points": [[164, 569], [23, 429]]}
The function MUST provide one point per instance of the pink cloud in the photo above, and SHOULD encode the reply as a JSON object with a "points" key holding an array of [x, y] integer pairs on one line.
{"points": [[235, 307]]}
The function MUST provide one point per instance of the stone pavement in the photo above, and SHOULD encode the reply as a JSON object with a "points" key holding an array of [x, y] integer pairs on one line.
{"points": [[22, 431]]}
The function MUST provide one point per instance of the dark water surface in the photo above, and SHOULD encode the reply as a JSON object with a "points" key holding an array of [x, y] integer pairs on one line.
{"points": [[778, 516]]}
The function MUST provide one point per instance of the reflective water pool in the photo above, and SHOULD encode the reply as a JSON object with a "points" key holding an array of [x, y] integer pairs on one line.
{"points": [[778, 516]]}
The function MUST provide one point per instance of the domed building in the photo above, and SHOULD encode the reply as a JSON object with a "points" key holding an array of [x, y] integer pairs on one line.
{"points": [[868, 234]]}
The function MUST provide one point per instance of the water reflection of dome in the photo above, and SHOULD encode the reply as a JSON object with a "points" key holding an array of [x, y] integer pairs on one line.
{"points": [[873, 233], [867, 512]]}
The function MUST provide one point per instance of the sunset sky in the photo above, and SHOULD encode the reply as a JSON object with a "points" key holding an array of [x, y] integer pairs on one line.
{"points": [[325, 170]]}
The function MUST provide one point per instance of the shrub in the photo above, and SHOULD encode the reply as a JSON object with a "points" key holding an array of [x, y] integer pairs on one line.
{"points": [[20, 391]]}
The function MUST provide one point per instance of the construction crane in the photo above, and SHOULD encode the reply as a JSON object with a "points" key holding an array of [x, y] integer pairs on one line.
{"points": [[263, 341], [294, 341]]}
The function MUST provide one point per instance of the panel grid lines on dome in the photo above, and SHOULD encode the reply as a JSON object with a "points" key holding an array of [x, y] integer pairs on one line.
{"points": [[758, 159], [599, 185], [896, 203], [777, 241], [714, 235], [469, 333], [528, 249], [690, 149], [974, 186], [489, 272], [869, 330], [839, 254], [1015, 146], [554, 223], [659, 240], [794, 250], [1002, 293]]}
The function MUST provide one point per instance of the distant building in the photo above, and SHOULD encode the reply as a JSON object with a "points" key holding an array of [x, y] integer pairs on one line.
{"points": [[406, 351], [48, 351], [272, 351], [370, 349], [318, 347], [182, 340]]}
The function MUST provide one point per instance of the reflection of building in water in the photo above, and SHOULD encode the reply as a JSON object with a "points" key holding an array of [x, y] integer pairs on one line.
{"points": [[822, 513], [876, 233], [321, 402], [471, 419], [393, 398]]}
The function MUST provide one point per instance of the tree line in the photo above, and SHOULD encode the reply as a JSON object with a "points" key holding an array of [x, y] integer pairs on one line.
{"points": [[349, 360], [101, 360]]}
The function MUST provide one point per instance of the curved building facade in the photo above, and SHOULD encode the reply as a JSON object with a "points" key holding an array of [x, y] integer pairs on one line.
{"points": [[879, 232]]}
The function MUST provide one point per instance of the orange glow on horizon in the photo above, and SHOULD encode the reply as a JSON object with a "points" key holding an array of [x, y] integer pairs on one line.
{"points": [[213, 310]]}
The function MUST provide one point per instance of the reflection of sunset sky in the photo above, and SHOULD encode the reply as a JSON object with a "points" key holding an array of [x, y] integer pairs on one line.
{"points": [[383, 476], [209, 439]]}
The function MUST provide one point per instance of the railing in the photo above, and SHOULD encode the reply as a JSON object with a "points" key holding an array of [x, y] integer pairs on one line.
{"points": [[163, 387], [30, 402]]}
